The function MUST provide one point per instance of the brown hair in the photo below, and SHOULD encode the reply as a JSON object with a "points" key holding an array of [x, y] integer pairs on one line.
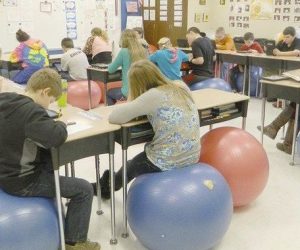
{"points": [[194, 30], [22, 36], [45, 78], [67, 43], [139, 30], [100, 32], [130, 41], [144, 75]]}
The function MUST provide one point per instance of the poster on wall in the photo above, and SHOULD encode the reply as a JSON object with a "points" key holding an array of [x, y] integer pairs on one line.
{"points": [[286, 11], [239, 14], [261, 9], [131, 10], [71, 24]]}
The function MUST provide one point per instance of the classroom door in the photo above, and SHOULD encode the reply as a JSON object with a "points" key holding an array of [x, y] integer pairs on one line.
{"points": [[165, 18]]}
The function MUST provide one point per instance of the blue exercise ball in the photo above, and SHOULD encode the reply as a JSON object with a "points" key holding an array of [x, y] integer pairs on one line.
{"points": [[255, 75], [186, 208], [28, 223], [212, 83]]}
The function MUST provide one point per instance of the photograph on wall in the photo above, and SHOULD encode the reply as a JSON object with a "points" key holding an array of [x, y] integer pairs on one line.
{"points": [[261, 9]]}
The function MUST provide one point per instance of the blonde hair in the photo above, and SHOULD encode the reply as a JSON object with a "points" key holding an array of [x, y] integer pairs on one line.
{"points": [[100, 32], [164, 42], [144, 75], [45, 78], [130, 41]]}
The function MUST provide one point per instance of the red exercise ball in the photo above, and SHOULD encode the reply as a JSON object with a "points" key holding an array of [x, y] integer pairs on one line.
{"points": [[240, 158], [78, 94]]}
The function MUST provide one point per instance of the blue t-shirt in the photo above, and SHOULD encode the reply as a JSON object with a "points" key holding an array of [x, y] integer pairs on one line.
{"points": [[169, 62]]}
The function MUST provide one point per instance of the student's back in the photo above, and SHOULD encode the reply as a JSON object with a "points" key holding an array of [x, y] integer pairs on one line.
{"points": [[202, 46]]}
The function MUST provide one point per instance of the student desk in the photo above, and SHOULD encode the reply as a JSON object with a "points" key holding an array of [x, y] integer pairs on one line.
{"points": [[93, 135], [284, 89], [101, 74], [205, 99], [236, 58], [97, 139]]}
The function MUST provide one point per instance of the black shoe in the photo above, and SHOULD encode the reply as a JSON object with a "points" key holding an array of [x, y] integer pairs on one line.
{"points": [[105, 186]]}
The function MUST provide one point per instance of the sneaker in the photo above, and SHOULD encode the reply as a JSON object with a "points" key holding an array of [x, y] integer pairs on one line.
{"points": [[105, 186], [284, 147], [87, 245], [269, 131]]}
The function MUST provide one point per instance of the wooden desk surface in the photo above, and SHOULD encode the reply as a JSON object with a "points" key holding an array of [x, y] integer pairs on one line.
{"points": [[231, 52], [288, 83], [209, 98]]}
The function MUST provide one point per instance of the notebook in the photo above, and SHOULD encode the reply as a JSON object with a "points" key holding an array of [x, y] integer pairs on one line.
{"points": [[275, 77], [294, 74]]}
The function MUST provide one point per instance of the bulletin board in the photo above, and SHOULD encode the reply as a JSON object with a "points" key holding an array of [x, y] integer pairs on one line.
{"points": [[52, 20]]}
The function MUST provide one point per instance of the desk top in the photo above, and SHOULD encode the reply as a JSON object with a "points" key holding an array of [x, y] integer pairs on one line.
{"points": [[209, 98], [287, 83], [204, 99]]}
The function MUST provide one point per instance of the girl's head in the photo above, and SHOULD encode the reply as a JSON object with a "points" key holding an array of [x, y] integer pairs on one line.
{"points": [[144, 75], [139, 32], [130, 41], [99, 32], [22, 36], [164, 43]]}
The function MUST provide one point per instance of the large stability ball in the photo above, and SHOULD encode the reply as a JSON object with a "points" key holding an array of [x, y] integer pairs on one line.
{"points": [[186, 208], [255, 75], [212, 83], [240, 158], [28, 223], [78, 94]]}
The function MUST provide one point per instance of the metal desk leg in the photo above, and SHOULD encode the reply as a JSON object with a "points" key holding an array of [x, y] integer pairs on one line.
{"points": [[244, 123], [210, 127], [59, 210], [295, 134], [97, 164], [245, 77], [89, 87], [72, 169], [105, 89], [66, 170], [113, 239], [263, 110], [124, 179]]}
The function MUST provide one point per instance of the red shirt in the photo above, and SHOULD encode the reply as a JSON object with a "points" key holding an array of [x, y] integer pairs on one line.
{"points": [[255, 45]]}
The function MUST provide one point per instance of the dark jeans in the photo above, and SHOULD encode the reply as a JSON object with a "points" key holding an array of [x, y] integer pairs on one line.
{"points": [[80, 193], [65, 75], [114, 95], [137, 166]]}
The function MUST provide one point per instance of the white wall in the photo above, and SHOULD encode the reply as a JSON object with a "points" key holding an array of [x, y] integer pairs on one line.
{"points": [[219, 15], [51, 27]]}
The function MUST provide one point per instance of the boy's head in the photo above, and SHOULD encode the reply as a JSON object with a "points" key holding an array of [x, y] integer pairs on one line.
{"points": [[220, 33], [289, 34], [67, 43], [22, 36], [248, 38], [191, 34], [44, 86]]}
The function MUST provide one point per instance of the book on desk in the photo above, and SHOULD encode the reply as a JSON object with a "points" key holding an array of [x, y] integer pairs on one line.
{"points": [[294, 74]]}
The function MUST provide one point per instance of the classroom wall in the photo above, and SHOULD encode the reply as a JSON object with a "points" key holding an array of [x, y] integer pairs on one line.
{"points": [[51, 27], [218, 15]]}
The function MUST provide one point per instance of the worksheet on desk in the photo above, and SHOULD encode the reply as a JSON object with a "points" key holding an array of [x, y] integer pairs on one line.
{"points": [[75, 128]]}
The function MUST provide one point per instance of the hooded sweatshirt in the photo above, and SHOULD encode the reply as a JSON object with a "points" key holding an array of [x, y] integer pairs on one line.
{"points": [[26, 135], [31, 53], [169, 62]]}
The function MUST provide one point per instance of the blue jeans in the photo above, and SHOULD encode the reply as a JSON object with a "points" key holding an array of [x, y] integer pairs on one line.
{"points": [[80, 193], [137, 166], [113, 95]]}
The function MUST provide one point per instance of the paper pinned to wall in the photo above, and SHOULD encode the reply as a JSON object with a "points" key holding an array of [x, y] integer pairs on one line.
{"points": [[177, 24], [134, 21], [146, 14], [152, 3]]}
